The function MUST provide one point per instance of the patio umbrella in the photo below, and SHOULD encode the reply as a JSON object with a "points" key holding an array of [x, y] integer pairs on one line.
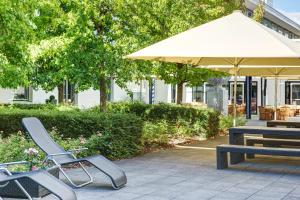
{"points": [[234, 40]]}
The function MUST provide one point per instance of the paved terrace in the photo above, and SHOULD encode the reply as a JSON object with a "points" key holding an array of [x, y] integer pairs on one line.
{"points": [[189, 173]]}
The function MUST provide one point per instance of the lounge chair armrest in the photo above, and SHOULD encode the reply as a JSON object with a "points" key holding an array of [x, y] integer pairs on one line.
{"points": [[59, 154], [78, 150], [51, 156]]}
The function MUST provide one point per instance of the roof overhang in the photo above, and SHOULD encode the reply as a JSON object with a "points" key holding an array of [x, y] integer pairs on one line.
{"points": [[276, 16]]}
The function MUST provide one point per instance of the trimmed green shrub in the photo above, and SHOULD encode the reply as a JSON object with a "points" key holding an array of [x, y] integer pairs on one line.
{"points": [[118, 135], [156, 134], [213, 124], [188, 120], [47, 106], [226, 122]]}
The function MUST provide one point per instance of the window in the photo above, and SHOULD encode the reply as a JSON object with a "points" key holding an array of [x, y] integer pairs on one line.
{"points": [[292, 92], [173, 93], [69, 92], [22, 94], [239, 93], [198, 94], [295, 93]]}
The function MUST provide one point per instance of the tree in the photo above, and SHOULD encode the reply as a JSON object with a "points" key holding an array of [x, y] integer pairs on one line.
{"points": [[258, 13], [151, 21], [84, 49], [17, 32]]}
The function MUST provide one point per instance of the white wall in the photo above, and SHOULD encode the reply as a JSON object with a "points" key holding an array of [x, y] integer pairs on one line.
{"points": [[161, 91], [188, 95], [88, 98], [39, 95], [6, 96]]}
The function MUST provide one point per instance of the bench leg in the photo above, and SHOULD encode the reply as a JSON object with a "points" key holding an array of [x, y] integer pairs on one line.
{"points": [[222, 160], [236, 139], [250, 155]]}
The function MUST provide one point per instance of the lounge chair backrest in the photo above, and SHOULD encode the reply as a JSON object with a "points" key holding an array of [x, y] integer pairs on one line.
{"points": [[41, 137]]}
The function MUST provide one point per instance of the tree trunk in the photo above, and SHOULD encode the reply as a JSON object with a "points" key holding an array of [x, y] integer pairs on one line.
{"points": [[179, 93], [179, 86], [60, 93], [103, 93]]}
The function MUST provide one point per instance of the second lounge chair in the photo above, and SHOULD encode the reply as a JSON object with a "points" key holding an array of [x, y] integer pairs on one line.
{"points": [[60, 157], [40, 177]]}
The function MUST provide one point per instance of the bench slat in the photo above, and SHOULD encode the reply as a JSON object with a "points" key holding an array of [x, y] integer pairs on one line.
{"points": [[272, 141], [260, 150], [222, 150]]}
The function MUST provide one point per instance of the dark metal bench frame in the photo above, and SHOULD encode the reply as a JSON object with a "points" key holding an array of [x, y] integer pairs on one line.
{"points": [[222, 150], [288, 124], [272, 142], [236, 137]]}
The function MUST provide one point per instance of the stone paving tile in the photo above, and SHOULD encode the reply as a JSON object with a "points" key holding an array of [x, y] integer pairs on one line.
{"points": [[290, 197], [257, 197], [187, 174], [230, 196], [199, 194]]}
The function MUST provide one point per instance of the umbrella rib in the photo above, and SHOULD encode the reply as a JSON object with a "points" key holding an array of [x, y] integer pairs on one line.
{"points": [[226, 60], [281, 70], [240, 61], [199, 61]]}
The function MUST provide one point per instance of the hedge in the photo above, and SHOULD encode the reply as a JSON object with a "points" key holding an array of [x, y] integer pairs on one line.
{"points": [[205, 119], [117, 135]]}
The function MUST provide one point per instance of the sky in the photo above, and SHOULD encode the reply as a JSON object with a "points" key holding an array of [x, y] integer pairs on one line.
{"points": [[289, 7]]}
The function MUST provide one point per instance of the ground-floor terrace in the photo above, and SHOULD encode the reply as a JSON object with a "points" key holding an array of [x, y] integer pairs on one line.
{"points": [[189, 172], [259, 92]]}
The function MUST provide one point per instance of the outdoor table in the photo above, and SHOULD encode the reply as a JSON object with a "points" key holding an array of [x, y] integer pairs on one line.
{"points": [[287, 124], [236, 137]]}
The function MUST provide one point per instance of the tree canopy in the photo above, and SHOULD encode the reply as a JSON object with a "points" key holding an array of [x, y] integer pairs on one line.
{"points": [[153, 20], [83, 41]]}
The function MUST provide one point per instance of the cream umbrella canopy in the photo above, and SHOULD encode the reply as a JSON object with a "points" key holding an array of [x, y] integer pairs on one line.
{"points": [[234, 40]]}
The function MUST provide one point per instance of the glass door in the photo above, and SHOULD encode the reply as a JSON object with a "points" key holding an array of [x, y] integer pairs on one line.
{"points": [[295, 93], [254, 98], [240, 97]]}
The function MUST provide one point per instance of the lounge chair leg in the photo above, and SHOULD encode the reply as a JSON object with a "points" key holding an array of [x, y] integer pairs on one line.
{"points": [[69, 179], [222, 159]]}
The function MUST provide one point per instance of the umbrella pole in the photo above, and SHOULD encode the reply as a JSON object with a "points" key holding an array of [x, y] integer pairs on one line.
{"points": [[275, 99], [234, 95]]}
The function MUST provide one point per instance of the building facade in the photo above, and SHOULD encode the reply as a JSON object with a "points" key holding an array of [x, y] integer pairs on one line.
{"points": [[157, 91]]}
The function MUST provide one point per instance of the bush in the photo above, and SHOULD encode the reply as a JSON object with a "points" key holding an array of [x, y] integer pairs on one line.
{"points": [[155, 134], [13, 148], [120, 133], [226, 122], [213, 124], [187, 120], [48, 106]]}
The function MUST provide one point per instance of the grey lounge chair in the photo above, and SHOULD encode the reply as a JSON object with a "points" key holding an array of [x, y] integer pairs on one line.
{"points": [[61, 157], [40, 177]]}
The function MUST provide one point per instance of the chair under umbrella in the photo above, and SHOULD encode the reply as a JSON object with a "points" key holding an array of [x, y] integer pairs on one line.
{"points": [[234, 40]]}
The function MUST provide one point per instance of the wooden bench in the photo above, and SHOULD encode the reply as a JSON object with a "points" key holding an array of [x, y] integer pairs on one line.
{"points": [[288, 124], [236, 137], [272, 142], [222, 150]]}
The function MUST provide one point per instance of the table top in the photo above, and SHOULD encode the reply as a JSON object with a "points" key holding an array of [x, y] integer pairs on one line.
{"points": [[282, 121], [264, 130]]}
